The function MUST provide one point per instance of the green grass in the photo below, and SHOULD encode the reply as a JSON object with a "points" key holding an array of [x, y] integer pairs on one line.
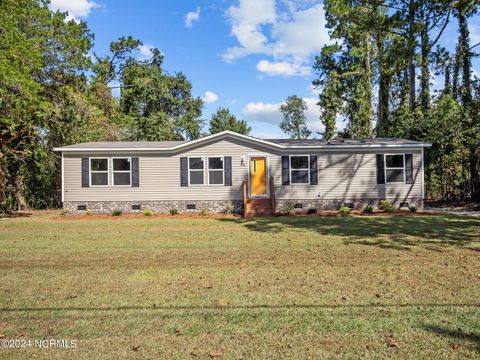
{"points": [[404, 287]]}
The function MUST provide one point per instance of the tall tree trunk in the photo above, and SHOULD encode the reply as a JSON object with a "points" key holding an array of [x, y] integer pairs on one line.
{"points": [[466, 58], [425, 73], [367, 121], [411, 54], [383, 90]]}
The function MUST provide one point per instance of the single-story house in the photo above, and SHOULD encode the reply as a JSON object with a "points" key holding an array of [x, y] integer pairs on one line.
{"points": [[227, 169]]}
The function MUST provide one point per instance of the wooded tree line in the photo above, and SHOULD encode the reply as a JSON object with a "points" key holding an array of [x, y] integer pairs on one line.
{"points": [[54, 91], [377, 76]]}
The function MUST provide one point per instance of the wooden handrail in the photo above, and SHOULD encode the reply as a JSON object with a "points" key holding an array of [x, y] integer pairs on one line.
{"points": [[272, 195], [245, 212]]}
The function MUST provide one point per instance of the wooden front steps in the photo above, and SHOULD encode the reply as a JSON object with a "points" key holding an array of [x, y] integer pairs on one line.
{"points": [[258, 206]]}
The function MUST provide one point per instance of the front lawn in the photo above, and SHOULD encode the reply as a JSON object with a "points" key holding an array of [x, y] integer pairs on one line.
{"points": [[404, 287]]}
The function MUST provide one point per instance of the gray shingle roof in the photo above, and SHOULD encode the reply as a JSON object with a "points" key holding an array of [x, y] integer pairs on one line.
{"points": [[277, 143], [340, 142], [124, 144]]}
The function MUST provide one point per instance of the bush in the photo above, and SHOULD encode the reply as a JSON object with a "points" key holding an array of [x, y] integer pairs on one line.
{"points": [[203, 212], [147, 212], [386, 206], [88, 212], [289, 209], [173, 211], [368, 209], [312, 211], [63, 212], [116, 212], [344, 210], [230, 208], [412, 208]]}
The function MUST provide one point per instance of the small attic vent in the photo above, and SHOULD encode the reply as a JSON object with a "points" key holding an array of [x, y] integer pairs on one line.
{"points": [[298, 206], [191, 206], [348, 205], [82, 207], [136, 207]]}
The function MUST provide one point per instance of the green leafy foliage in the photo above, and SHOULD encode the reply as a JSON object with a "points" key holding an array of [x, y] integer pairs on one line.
{"points": [[311, 211], [344, 210], [230, 208], [386, 206], [116, 212], [289, 209], [368, 209], [223, 120], [173, 211], [203, 212], [294, 121], [147, 212]]}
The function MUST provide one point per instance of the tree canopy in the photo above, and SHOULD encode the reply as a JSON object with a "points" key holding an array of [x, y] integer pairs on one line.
{"points": [[294, 122], [223, 120]]}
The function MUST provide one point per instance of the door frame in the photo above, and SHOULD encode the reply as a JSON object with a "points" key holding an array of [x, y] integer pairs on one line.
{"points": [[267, 195]]}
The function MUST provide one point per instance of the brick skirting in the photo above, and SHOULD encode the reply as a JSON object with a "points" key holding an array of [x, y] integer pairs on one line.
{"points": [[220, 206], [164, 206], [335, 204]]}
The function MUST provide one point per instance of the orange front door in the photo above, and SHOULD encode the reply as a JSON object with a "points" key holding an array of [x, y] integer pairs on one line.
{"points": [[258, 176]]}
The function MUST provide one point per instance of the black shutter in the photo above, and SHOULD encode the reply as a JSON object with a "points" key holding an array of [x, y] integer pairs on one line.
{"points": [[313, 170], [183, 171], [285, 170], [85, 172], [380, 169], [227, 164], [135, 173], [408, 169]]}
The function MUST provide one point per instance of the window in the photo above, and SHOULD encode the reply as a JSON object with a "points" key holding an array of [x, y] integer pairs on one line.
{"points": [[299, 169], [395, 168], [99, 172], [121, 171], [215, 170], [195, 170]]}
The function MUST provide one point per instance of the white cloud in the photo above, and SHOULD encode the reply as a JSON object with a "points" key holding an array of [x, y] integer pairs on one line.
{"points": [[246, 21], [191, 17], [282, 68], [76, 8], [145, 51], [290, 37], [270, 113], [209, 97]]}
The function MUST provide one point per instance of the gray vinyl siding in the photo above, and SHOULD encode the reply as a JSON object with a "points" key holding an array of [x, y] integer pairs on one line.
{"points": [[348, 174]]}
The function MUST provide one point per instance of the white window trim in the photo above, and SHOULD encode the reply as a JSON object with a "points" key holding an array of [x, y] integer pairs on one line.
{"points": [[222, 170], [98, 172], [290, 169], [393, 168], [203, 169], [121, 171]]}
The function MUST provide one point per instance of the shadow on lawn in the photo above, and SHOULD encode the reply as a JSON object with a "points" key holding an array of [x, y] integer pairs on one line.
{"points": [[237, 307], [392, 232], [454, 333]]}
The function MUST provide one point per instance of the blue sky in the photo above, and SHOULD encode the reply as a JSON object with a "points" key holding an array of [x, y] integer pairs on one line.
{"points": [[247, 55]]}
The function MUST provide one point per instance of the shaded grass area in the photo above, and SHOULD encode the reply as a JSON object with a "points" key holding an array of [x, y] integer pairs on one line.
{"points": [[373, 287]]}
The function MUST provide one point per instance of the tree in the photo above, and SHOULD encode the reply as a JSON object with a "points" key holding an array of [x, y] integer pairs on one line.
{"points": [[223, 120], [294, 121], [158, 106]]}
